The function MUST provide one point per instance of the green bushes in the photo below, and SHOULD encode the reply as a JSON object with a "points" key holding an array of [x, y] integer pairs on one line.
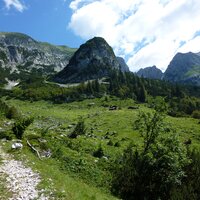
{"points": [[20, 126], [196, 114], [190, 187], [99, 152], [79, 129], [153, 171], [7, 111], [12, 113]]}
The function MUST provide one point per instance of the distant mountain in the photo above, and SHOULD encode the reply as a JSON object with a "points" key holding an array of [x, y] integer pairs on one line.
{"points": [[21, 55], [123, 66], [93, 60], [150, 72], [184, 68]]}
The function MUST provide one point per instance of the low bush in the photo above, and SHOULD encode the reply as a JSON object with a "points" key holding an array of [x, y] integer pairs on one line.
{"points": [[99, 152], [79, 129], [196, 114], [20, 126], [153, 171]]}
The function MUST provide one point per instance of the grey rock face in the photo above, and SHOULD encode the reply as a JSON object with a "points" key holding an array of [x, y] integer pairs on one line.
{"points": [[123, 66], [150, 72], [94, 59], [184, 68], [20, 53]]}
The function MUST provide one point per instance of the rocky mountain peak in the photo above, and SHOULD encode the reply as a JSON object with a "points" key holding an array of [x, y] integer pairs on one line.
{"points": [[150, 72], [93, 60], [184, 68], [16, 39], [21, 55]]}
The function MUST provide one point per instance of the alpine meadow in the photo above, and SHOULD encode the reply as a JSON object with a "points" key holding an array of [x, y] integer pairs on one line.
{"points": [[99, 122]]}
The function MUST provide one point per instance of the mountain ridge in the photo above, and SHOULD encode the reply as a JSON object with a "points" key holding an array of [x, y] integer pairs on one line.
{"points": [[184, 68], [150, 72], [21, 55], [93, 60]]}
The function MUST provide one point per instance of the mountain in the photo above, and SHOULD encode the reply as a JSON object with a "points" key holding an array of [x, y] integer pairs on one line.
{"points": [[124, 66], [21, 55], [184, 68], [150, 72], [93, 60]]}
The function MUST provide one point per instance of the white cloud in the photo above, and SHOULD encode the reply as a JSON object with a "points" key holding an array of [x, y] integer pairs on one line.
{"points": [[17, 4], [146, 32]]}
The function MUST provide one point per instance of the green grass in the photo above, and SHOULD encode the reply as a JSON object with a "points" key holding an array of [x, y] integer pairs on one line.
{"points": [[4, 191], [59, 185], [193, 71], [74, 171]]}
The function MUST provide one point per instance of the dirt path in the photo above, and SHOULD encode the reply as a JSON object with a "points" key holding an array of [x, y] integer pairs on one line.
{"points": [[21, 180]]}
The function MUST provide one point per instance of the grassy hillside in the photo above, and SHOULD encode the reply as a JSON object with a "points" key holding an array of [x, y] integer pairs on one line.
{"points": [[73, 171], [195, 70]]}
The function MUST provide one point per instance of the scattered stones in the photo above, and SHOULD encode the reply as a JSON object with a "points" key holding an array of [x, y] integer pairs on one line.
{"points": [[4, 140], [46, 154], [41, 140], [113, 108], [70, 126], [105, 157], [91, 104], [21, 180], [109, 134]]}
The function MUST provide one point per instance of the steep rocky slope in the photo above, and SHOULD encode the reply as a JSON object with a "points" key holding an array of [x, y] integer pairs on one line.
{"points": [[123, 66], [20, 55], [150, 72], [184, 68], [94, 59]]}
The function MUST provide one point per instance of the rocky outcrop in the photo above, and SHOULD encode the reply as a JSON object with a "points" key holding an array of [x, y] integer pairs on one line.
{"points": [[150, 72], [20, 54], [184, 68], [123, 66], [93, 60]]}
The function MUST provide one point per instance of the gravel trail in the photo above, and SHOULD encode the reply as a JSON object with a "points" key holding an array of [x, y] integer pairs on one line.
{"points": [[21, 180]]}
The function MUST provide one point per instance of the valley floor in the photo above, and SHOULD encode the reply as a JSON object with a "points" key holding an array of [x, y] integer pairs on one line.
{"points": [[72, 172]]}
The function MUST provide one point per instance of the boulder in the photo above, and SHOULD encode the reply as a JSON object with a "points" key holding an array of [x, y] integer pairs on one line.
{"points": [[17, 145]]}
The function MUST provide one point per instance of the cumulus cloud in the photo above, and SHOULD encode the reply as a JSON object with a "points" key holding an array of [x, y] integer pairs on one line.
{"points": [[17, 4], [145, 32]]}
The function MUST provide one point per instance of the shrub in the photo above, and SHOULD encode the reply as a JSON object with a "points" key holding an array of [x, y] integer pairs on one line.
{"points": [[79, 129], [3, 107], [154, 170], [190, 188], [6, 134], [99, 152], [12, 113], [20, 126], [117, 144], [196, 114], [110, 143]]}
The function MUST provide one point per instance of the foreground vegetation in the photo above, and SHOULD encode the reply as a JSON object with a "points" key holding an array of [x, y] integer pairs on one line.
{"points": [[91, 146], [119, 137]]}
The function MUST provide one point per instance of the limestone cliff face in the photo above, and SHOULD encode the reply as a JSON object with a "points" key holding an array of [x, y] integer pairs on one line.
{"points": [[150, 72], [184, 68], [20, 53], [123, 66], [94, 59]]}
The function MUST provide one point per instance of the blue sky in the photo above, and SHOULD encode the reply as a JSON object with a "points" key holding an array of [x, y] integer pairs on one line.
{"points": [[144, 32], [44, 20]]}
